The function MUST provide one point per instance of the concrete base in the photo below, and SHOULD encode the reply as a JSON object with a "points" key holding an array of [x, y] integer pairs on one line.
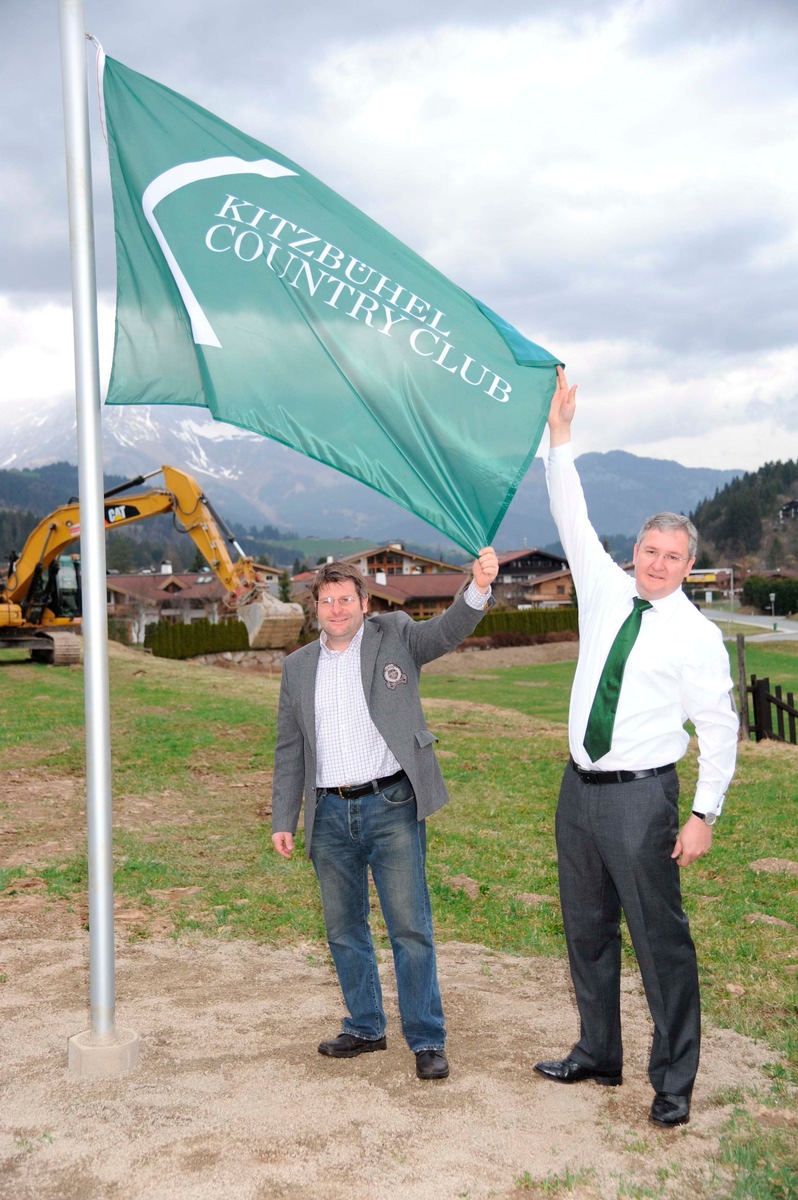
{"points": [[93, 1057]]}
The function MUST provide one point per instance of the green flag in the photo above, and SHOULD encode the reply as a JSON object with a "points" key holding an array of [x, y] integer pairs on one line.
{"points": [[246, 286]]}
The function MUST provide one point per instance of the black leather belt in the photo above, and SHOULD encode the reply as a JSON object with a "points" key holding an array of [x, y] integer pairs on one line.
{"points": [[618, 776], [363, 789]]}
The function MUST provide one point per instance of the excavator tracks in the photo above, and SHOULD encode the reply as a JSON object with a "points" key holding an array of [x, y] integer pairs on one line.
{"points": [[59, 649]]}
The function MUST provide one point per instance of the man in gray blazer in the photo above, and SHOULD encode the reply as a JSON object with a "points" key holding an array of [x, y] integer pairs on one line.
{"points": [[352, 740]]}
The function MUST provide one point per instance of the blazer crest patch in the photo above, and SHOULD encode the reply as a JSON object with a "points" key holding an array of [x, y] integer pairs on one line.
{"points": [[393, 675]]}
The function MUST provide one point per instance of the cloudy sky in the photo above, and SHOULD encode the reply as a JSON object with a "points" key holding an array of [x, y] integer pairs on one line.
{"points": [[617, 179]]}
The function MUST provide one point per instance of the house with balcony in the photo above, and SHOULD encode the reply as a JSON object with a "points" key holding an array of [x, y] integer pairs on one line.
{"points": [[145, 598], [392, 559], [518, 570]]}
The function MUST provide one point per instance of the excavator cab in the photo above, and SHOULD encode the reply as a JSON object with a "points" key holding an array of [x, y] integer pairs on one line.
{"points": [[55, 592], [40, 603]]}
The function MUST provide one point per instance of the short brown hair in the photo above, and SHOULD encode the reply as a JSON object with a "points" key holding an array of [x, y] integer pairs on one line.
{"points": [[338, 572]]}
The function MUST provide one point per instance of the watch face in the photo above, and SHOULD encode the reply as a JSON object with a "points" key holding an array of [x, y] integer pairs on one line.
{"points": [[710, 818]]}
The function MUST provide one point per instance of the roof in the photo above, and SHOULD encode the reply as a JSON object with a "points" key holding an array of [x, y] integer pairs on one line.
{"points": [[402, 588], [550, 576], [197, 585], [398, 548], [265, 569], [399, 589], [508, 556]]}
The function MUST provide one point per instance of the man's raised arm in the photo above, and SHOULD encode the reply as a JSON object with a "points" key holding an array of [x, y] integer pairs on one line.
{"points": [[561, 412]]}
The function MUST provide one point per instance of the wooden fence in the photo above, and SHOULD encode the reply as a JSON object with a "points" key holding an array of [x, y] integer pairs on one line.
{"points": [[774, 715]]}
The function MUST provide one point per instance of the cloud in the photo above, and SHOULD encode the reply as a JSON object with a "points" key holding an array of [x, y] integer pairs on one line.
{"points": [[617, 179], [710, 413], [36, 352], [631, 203], [671, 23]]}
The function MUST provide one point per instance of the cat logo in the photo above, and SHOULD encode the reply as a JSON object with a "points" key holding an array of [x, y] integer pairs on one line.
{"points": [[119, 512]]}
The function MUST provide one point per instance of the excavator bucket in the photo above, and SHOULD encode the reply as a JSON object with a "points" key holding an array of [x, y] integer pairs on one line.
{"points": [[271, 623]]}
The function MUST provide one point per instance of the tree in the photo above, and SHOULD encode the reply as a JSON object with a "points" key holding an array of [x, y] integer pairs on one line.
{"points": [[285, 587], [740, 530], [121, 553]]}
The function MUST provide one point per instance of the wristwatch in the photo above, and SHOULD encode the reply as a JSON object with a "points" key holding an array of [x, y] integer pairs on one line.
{"points": [[707, 818]]}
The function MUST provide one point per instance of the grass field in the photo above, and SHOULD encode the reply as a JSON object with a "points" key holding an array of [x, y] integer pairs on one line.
{"points": [[195, 744]]}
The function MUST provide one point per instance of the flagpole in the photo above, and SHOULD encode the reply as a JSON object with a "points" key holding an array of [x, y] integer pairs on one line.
{"points": [[103, 1049]]}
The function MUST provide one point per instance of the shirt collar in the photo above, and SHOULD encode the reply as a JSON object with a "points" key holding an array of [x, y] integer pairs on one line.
{"points": [[666, 605]]}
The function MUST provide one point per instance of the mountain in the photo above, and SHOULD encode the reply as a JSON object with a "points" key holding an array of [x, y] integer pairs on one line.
{"points": [[752, 519], [253, 481]]}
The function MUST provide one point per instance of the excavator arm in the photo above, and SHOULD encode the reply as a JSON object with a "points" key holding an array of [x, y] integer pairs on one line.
{"points": [[181, 496], [24, 593]]}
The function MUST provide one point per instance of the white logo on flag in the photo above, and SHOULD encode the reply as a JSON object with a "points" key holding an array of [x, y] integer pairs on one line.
{"points": [[177, 177]]}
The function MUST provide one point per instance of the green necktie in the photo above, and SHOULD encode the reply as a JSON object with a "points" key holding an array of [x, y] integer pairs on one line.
{"points": [[598, 735]]}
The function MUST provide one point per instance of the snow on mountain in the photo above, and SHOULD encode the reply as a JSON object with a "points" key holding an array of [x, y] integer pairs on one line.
{"points": [[254, 480]]}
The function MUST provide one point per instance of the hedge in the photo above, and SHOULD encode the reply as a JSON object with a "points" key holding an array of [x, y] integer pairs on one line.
{"points": [[756, 591], [200, 637], [119, 631], [528, 621]]}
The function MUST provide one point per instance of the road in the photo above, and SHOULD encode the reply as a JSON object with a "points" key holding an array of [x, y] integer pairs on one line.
{"points": [[774, 629]]}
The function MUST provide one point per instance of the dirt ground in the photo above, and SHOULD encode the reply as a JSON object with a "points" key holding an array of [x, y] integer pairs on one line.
{"points": [[467, 662], [231, 1101]]}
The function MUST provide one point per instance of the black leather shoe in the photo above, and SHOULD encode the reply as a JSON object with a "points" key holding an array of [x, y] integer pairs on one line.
{"points": [[670, 1110], [346, 1045], [565, 1070], [432, 1064]]}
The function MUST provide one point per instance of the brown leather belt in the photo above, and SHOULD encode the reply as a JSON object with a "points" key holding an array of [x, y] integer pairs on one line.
{"points": [[363, 789], [600, 777]]}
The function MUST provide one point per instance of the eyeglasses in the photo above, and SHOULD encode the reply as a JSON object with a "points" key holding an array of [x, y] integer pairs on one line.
{"points": [[329, 601], [671, 560]]}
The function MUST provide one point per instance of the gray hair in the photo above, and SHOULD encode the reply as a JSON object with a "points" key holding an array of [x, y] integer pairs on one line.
{"points": [[667, 522]]}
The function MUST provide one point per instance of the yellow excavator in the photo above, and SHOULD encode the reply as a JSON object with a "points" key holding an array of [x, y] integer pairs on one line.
{"points": [[40, 601]]}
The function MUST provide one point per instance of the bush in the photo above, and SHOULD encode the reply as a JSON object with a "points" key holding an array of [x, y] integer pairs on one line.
{"points": [[498, 641], [756, 591], [200, 637], [531, 622], [510, 638], [119, 631]]}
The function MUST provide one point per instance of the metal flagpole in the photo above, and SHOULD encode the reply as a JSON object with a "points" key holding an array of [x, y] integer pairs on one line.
{"points": [[103, 1049]]}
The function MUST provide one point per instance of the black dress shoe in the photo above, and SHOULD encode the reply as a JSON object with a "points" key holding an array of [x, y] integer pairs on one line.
{"points": [[565, 1070], [670, 1110], [432, 1064], [346, 1045]]}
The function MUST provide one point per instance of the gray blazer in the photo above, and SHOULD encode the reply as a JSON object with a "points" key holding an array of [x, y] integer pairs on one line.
{"points": [[390, 640]]}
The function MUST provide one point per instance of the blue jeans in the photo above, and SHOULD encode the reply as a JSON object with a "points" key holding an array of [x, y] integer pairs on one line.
{"points": [[380, 831]]}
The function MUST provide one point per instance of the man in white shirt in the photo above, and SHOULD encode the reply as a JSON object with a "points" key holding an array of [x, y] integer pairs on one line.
{"points": [[619, 845], [351, 736]]}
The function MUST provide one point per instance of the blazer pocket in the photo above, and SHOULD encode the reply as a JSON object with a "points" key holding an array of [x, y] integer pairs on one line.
{"points": [[425, 738]]}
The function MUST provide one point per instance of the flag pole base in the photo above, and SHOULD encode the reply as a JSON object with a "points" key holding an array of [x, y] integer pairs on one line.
{"points": [[93, 1057]]}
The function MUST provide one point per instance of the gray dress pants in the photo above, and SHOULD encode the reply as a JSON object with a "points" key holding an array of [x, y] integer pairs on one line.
{"points": [[614, 843]]}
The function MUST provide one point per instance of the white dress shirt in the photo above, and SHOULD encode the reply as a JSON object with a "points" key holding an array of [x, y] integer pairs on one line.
{"points": [[350, 750], [678, 668]]}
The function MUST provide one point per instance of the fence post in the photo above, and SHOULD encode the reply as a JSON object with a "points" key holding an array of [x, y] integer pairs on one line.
{"points": [[779, 713], [742, 688], [762, 724]]}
